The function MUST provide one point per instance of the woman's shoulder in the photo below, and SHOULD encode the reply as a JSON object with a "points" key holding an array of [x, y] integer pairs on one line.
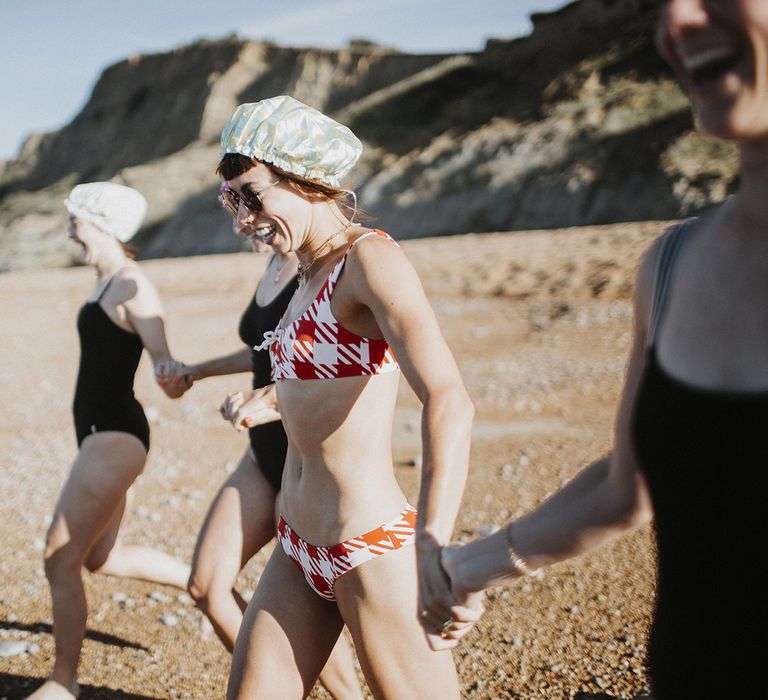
{"points": [[130, 285], [370, 242], [663, 246], [650, 267], [373, 247]]}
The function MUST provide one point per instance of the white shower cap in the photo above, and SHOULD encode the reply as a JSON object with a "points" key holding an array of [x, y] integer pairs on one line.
{"points": [[114, 208]]}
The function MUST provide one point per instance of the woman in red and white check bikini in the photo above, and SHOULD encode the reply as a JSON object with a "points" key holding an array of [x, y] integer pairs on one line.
{"points": [[352, 549]]}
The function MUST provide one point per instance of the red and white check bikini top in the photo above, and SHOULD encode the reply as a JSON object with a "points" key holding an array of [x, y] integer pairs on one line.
{"points": [[317, 346]]}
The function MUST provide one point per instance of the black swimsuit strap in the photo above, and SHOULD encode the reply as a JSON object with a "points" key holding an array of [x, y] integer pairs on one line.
{"points": [[109, 281], [106, 287], [665, 262]]}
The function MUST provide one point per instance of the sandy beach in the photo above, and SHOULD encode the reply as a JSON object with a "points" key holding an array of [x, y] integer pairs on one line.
{"points": [[540, 325]]}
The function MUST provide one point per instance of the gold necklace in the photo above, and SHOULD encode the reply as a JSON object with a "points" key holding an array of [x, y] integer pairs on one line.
{"points": [[302, 269]]}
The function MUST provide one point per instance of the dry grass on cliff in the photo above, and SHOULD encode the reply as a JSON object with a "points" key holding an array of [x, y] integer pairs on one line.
{"points": [[539, 323]]}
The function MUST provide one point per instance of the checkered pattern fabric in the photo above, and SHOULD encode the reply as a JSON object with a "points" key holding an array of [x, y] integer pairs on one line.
{"points": [[317, 346], [322, 566]]}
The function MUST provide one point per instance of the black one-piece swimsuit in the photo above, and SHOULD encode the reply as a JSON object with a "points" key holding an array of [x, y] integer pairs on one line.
{"points": [[269, 441], [703, 453], [109, 356]]}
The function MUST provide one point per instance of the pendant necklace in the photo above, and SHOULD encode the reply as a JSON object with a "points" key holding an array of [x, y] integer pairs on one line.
{"points": [[303, 269], [279, 270]]}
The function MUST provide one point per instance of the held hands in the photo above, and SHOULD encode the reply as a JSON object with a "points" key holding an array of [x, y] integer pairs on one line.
{"points": [[483, 563], [245, 409], [446, 613], [173, 377]]}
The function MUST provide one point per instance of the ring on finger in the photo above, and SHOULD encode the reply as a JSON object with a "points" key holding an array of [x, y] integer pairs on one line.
{"points": [[447, 625]]}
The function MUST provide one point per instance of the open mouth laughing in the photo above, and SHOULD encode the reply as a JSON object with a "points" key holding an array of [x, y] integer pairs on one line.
{"points": [[265, 233], [707, 65]]}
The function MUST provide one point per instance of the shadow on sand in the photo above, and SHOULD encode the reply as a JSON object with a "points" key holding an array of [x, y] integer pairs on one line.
{"points": [[44, 627], [18, 687]]}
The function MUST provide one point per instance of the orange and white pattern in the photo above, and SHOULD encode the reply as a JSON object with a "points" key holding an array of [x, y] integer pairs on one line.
{"points": [[322, 566], [317, 346]]}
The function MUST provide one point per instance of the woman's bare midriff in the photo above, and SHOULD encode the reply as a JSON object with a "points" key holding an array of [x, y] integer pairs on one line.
{"points": [[339, 480]]}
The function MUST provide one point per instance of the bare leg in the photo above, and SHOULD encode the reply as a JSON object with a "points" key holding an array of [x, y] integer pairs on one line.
{"points": [[106, 466], [339, 676], [145, 563], [239, 523], [378, 602], [109, 556], [286, 637]]}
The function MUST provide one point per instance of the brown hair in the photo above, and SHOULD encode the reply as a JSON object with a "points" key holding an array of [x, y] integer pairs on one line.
{"points": [[130, 251], [233, 165]]}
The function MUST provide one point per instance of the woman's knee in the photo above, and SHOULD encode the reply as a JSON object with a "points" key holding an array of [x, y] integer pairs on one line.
{"points": [[198, 587], [206, 588], [98, 562], [61, 560]]}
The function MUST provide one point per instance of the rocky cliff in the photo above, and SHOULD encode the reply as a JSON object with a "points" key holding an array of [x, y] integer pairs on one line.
{"points": [[578, 123]]}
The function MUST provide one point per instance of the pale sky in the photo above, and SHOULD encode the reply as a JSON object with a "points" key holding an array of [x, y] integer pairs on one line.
{"points": [[52, 51]]}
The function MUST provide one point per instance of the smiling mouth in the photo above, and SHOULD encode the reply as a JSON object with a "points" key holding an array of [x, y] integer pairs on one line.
{"points": [[712, 64], [266, 234]]}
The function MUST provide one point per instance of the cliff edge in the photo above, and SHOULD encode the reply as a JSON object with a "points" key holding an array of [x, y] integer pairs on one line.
{"points": [[578, 123]]}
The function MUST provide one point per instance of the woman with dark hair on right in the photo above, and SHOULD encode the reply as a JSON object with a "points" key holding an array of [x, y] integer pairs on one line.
{"points": [[690, 445]]}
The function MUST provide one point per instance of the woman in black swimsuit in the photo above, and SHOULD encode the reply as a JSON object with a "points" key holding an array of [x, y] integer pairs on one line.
{"points": [[241, 519], [690, 447], [121, 317]]}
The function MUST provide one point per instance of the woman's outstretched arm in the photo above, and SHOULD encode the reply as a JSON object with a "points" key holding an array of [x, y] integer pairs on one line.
{"points": [[605, 500], [384, 281], [234, 363]]}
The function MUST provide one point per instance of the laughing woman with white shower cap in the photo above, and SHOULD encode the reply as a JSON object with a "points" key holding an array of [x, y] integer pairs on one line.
{"points": [[120, 318]]}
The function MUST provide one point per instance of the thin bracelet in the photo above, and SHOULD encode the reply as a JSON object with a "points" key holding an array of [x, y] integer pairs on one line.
{"points": [[521, 566]]}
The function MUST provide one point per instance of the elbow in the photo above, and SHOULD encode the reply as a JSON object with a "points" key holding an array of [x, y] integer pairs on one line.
{"points": [[451, 401], [467, 406], [463, 407], [633, 505], [642, 512]]}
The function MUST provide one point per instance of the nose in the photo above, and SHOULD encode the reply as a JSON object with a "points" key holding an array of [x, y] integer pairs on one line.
{"points": [[238, 228], [678, 16], [244, 218], [676, 19]]}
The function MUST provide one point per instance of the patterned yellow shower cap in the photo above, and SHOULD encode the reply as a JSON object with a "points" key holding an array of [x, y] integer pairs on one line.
{"points": [[293, 136]]}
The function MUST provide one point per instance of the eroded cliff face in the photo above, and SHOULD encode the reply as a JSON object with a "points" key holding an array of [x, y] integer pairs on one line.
{"points": [[579, 123]]}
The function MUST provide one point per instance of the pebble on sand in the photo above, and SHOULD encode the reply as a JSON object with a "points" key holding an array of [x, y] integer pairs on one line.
{"points": [[169, 620], [12, 648]]}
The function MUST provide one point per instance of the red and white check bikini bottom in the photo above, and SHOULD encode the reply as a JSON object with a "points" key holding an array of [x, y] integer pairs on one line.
{"points": [[321, 566]]}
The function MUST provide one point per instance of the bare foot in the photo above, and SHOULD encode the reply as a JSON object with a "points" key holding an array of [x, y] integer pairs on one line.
{"points": [[53, 690]]}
